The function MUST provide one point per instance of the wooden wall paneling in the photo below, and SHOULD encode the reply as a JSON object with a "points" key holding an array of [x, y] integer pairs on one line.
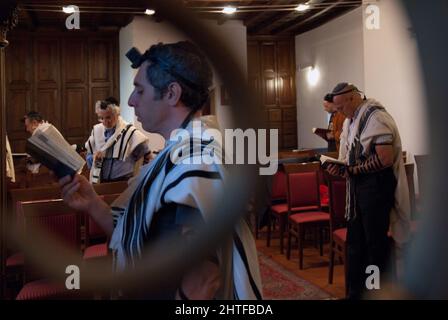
{"points": [[289, 114], [47, 78], [75, 89], [74, 62], [19, 57], [116, 73], [285, 73], [101, 62], [289, 141], [61, 75], [268, 69], [75, 114], [18, 104], [271, 70], [253, 66], [275, 115], [19, 89]]}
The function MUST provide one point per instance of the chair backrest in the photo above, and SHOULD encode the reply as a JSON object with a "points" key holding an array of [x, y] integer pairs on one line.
{"points": [[409, 167], [337, 192], [306, 167], [32, 194], [57, 220], [303, 191], [278, 186], [93, 231], [307, 153], [301, 167], [110, 187]]}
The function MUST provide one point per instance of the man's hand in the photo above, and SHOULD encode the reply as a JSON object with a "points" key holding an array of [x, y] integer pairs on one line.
{"points": [[78, 193], [98, 157]]}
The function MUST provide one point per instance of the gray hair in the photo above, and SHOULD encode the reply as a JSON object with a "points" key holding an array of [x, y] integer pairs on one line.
{"points": [[104, 105]]}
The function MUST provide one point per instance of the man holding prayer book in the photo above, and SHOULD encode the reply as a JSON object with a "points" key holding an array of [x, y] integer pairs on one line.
{"points": [[335, 125], [114, 147], [377, 192], [172, 196], [333, 133]]}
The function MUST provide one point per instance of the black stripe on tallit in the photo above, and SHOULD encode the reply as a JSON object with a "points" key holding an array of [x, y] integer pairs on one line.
{"points": [[126, 145], [189, 174], [135, 204], [123, 134], [240, 248]]}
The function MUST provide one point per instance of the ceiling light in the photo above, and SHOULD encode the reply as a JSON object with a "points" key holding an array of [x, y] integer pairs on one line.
{"points": [[149, 12], [229, 10], [302, 7], [69, 9]]}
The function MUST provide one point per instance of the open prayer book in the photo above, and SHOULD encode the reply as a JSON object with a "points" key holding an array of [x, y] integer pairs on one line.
{"points": [[321, 133], [48, 146], [325, 161]]}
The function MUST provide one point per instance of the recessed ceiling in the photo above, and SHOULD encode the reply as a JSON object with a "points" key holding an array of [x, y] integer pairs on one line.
{"points": [[261, 17]]}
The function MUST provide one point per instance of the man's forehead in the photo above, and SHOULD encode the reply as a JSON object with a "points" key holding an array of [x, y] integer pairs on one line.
{"points": [[105, 113], [140, 77]]}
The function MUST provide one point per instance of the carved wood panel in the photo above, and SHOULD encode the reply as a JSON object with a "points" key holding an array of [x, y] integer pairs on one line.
{"points": [[61, 75], [271, 74]]}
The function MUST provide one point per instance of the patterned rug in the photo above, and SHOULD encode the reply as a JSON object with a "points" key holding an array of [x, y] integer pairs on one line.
{"points": [[281, 284]]}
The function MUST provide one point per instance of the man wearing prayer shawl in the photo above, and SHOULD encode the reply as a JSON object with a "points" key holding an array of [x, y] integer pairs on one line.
{"points": [[114, 146], [171, 86], [377, 202]]}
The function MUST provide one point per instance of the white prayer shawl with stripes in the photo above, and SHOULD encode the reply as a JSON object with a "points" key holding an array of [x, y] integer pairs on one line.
{"points": [[124, 140], [381, 124], [197, 186], [10, 172]]}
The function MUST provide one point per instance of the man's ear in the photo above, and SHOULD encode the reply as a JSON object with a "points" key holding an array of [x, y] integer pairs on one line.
{"points": [[173, 93]]}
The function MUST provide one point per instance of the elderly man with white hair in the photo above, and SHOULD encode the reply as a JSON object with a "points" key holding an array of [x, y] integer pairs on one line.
{"points": [[115, 146]]}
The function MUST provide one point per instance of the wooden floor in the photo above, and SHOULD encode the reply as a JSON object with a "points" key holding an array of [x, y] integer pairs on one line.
{"points": [[315, 267]]}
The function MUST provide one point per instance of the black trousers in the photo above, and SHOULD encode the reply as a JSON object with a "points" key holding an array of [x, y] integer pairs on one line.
{"points": [[367, 240]]}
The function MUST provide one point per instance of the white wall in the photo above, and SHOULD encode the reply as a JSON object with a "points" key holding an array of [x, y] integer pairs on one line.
{"points": [[393, 75], [143, 32], [336, 50], [126, 76]]}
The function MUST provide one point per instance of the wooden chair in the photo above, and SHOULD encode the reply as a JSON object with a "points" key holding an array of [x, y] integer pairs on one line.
{"points": [[110, 187], [304, 206], [15, 259], [279, 208], [96, 239], [338, 225], [63, 225]]}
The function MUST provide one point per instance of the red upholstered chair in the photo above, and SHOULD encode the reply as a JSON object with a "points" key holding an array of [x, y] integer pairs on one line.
{"points": [[304, 207], [63, 225], [279, 208], [97, 244], [338, 224]]}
